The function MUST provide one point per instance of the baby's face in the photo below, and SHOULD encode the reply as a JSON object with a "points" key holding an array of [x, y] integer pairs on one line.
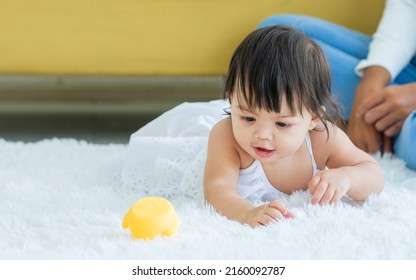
{"points": [[269, 136]]}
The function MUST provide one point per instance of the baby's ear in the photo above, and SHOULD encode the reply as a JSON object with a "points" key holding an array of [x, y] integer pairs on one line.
{"points": [[314, 122], [315, 118]]}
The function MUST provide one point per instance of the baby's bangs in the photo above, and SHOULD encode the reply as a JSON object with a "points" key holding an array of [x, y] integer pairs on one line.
{"points": [[259, 91], [265, 90]]}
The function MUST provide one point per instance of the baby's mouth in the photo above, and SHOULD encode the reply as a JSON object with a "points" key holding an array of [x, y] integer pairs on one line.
{"points": [[263, 152]]}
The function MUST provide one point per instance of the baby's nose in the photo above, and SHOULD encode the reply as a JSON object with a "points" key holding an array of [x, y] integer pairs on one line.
{"points": [[264, 133]]}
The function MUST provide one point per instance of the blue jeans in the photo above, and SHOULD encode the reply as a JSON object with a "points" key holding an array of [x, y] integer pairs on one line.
{"points": [[344, 48]]}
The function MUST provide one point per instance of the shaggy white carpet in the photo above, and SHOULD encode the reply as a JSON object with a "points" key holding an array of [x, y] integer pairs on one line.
{"points": [[63, 199]]}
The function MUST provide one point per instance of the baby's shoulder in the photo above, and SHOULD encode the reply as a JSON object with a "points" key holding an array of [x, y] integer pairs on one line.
{"points": [[324, 137], [222, 129], [222, 137], [324, 142]]}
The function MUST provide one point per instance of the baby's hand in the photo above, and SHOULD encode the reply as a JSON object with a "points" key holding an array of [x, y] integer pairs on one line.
{"points": [[266, 213], [328, 186]]}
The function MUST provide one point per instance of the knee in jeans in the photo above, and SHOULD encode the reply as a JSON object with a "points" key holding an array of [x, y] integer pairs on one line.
{"points": [[405, 142]]}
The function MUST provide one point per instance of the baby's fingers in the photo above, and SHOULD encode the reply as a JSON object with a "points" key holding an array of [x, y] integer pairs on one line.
{"points": [[327, 196], [279, 206], [267, 216], [313, 183], [274, 213], [264, 220], [336, 197], [319, 192]]}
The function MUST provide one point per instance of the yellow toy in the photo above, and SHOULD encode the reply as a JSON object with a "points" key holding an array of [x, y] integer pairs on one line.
{"points": [[150, 217]]}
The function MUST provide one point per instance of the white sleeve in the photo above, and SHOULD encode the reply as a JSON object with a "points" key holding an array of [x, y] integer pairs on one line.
{"points": [[394, 43]]}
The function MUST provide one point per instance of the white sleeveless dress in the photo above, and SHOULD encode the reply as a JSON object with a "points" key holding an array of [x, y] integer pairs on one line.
{"points": [[253, 184]]}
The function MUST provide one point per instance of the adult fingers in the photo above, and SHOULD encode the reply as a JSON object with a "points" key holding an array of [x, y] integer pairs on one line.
{"points": [[373, 140], [369, 103], [363, 135], [394, 129], [388, 120], [376, 113], [388, 145]]}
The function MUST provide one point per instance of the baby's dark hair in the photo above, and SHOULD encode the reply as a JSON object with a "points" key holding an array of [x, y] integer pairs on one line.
{"points": [[280, 60]]}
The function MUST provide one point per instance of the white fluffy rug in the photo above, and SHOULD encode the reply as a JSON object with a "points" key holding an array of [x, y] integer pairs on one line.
{"points": [[63, 199]]}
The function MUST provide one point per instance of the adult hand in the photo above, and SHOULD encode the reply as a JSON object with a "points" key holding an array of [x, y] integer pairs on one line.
{"points": [[388, 109], [365, 135]]}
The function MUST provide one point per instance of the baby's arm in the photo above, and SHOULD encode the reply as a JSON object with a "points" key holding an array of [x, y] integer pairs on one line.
{"points": [[221, 177], [351, 171]]}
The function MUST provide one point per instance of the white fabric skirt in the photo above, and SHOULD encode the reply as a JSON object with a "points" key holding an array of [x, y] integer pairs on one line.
{"points": [[167, 156]]}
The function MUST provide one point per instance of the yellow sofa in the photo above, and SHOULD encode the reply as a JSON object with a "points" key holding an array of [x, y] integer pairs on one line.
{"points": [[52, 42]]}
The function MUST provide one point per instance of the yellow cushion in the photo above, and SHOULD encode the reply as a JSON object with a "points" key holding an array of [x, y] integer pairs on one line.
{"points": [[147, 37]]}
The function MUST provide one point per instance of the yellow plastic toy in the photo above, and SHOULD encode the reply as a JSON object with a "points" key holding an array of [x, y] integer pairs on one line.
{"points": [[150, 217]]}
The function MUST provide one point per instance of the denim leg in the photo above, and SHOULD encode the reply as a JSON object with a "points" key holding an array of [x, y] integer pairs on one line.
{"points": [[349, 41], [405, 142], [344, 79]]}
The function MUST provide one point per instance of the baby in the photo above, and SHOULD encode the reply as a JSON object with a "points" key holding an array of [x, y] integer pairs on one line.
{"points": [[281, 135]]}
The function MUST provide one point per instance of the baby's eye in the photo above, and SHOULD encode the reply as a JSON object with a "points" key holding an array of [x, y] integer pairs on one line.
{"points": [[282, 124], [248, 119]]}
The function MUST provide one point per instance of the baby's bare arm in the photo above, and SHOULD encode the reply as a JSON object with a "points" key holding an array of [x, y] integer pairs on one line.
{"points": [[351, 171], [220, 182], [221, 173]]}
